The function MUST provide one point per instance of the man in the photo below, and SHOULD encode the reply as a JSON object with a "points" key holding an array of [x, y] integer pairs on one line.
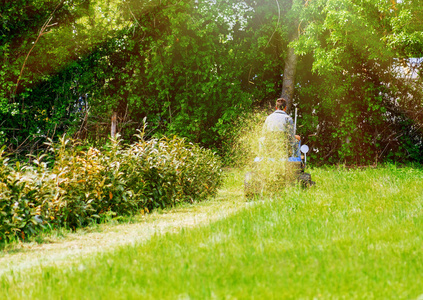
{"points": [[280, 121], [277, 143]]}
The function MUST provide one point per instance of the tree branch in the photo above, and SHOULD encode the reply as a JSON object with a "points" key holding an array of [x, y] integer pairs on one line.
{"points": [[40, 34]]}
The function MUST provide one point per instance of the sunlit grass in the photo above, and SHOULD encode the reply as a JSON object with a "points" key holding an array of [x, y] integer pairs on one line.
{"points": [[357, 234]]}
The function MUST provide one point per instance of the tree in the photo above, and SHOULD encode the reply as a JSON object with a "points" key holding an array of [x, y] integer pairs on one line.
{"points": [[291, 60], [192, 67], [25, 35], [360, 102]]}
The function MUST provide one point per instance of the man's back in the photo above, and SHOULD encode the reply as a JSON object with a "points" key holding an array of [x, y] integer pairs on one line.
{"points": [[279, 121]]}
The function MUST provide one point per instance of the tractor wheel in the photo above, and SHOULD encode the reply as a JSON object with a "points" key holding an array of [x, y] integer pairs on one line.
{"points": [[305, 180]]}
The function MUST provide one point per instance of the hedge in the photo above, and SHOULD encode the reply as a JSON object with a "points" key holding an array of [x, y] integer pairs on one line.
{"points": [[82, 186]]}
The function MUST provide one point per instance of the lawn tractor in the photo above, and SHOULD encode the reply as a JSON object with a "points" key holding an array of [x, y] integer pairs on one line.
{"points": [[272, 170]]}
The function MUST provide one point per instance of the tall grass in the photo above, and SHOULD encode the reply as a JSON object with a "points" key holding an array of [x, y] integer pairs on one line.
{"points": [[356, 235]]}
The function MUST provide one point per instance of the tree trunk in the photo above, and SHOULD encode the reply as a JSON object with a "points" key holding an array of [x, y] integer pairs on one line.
{"points": [[114, 123], [289, 75]]}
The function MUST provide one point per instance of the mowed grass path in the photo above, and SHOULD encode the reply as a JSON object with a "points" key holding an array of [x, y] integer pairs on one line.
{"points": [[357, 234]]}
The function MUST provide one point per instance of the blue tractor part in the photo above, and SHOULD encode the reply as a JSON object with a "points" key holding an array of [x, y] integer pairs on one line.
{"points": [[252, 180]]}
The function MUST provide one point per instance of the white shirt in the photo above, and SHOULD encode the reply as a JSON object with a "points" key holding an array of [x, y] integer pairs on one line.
{"points": [[279, 121]]}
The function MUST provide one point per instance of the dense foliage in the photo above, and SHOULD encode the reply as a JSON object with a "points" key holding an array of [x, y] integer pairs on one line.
{"points": [[83, 186], [365, 92], [193, 67]]}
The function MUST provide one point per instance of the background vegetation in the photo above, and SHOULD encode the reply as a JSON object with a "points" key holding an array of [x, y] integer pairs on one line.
{"points": [[196, 68]]}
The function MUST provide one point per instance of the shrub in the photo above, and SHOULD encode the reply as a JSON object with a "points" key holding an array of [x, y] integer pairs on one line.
{"points": [[174, 171], [20, 195], [87, 184], [83, 186]]}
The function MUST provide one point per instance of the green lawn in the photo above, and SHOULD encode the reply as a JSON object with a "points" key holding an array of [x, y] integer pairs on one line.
{"points": [[357, 234]]}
